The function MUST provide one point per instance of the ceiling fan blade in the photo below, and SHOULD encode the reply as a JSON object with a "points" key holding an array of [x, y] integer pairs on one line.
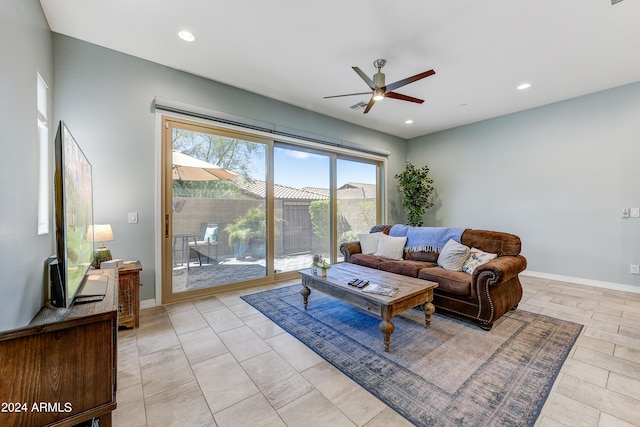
{"points": [[348, 94], [369, 105], [400, 83], [364, 77], [396, 95]]}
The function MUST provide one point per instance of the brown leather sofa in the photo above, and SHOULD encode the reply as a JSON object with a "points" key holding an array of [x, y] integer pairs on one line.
{"points": [[492, 290]]}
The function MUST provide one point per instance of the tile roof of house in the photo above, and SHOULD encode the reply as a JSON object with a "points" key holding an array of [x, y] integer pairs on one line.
{"points": [[350, 190], [355, 190], [319, 190], [257, 187]]}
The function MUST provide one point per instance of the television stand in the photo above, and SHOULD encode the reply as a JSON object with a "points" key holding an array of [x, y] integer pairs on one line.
{"points": [[60, 370]]}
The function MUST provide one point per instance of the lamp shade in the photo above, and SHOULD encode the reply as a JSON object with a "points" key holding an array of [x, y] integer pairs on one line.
{"points": [[101, 232]]}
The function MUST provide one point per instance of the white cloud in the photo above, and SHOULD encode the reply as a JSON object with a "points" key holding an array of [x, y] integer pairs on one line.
{"points": [[299, 154]]}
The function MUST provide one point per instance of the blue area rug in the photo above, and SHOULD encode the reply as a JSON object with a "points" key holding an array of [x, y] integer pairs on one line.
{"points": [[453, 374]]}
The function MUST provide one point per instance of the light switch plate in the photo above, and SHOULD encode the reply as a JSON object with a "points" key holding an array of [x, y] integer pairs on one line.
{"points": [[635, 212], [625, 212], [133, 217]]}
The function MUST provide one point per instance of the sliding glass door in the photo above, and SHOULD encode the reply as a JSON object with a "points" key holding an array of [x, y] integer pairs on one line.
{"points": [[301, 193], [217, 216], [240, 208], [357, 198]]}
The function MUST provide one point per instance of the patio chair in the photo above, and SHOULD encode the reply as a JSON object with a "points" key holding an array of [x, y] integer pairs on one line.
{"points": [[207, 243]]}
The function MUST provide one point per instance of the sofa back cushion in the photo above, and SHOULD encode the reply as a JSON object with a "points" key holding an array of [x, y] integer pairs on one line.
{"points": [[492, 241], [421, 256], [489, 241]]}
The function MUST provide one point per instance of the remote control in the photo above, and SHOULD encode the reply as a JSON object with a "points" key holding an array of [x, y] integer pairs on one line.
{"points": [[363, 284], [352, 281]]}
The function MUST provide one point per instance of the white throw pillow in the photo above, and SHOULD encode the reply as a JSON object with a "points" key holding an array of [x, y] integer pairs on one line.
{"points": [[476, 259], [453, 255], [391, 247], [369, 242]]}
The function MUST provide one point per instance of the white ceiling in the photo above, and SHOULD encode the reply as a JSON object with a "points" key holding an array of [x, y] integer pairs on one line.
{"points": [[300, 51]]}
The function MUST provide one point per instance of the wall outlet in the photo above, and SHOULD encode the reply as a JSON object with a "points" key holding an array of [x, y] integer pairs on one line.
{"points": [[625, 212], [635, 269]]}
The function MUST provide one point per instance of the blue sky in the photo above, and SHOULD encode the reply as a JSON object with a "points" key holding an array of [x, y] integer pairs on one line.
{"points": [[299, 169]]}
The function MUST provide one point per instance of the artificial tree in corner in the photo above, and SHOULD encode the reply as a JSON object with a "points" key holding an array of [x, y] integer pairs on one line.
{"points": [[416, 187]]}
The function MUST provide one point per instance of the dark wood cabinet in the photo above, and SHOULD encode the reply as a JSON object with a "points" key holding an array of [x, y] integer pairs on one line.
{"points": [[61, 369], [129, 294]]}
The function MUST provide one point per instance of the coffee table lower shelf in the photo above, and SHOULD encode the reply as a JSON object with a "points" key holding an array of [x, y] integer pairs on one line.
{"points": [[412, 293]]}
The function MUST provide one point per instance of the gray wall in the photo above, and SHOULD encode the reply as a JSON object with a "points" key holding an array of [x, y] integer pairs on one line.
{"points": [[557, 176], [106, 98], [25, 48]]}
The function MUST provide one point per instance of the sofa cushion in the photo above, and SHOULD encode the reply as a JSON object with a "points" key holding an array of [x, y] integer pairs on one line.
{"points": [[476, 259], [421, 256], [390, 247], [405, 267], [453, 255], [369, 242], [455, 282], [367, 260]]}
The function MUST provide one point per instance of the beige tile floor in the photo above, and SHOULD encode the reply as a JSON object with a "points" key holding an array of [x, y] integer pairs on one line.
{"points": [[219, 362]]}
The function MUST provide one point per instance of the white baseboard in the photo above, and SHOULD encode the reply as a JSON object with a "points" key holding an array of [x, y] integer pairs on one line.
{"points": [[147, 303], [581, 281]]}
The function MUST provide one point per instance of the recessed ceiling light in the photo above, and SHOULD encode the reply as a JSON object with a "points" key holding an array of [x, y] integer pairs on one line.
{"points": [[524, 86], [186, 36], [408, 122]]}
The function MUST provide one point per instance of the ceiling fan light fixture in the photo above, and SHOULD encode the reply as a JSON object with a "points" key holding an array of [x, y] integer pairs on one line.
{"points": [[186, 36], [378, 94]]}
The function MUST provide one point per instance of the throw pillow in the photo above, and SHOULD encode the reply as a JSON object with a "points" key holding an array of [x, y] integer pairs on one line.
{"points": [[453, 255], [369, 242], [391, 247], [476, 259]]}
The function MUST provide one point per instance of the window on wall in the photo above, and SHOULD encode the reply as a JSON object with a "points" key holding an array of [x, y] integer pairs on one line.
{"points": [[42, 93]]}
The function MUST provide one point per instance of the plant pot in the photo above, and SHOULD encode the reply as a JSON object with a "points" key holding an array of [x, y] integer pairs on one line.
{"points": [[240, 251], [258, 248]]}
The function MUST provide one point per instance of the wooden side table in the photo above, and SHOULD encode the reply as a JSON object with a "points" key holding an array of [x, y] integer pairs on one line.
{"points": [[129, 294]]}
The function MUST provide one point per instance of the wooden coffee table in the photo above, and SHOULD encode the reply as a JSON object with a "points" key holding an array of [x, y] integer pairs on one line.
{"points": [[412, 292]]}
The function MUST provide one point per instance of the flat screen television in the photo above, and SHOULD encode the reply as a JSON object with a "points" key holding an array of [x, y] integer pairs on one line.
{"points": [[73, 216]]}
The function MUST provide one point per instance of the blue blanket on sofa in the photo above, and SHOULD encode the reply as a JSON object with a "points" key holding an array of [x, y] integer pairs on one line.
{"points": [[429, 239]]}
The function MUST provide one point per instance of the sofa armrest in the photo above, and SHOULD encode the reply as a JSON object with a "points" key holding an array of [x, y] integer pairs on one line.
{"points": [[498, 287], [349, 248], [501, 269]]}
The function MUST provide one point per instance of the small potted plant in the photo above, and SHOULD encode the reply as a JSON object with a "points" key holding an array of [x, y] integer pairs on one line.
{"points": [[321, 264]]}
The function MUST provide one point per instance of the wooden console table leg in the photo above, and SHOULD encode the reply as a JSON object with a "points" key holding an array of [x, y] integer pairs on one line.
{"points": [[305, 292], [386, 327]]}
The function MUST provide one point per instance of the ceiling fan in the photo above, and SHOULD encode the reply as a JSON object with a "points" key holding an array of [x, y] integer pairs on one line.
{"points": [[380, 90]]}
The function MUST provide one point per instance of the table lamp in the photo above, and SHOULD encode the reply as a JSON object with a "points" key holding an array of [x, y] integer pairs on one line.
{"points": [[101, 233]]}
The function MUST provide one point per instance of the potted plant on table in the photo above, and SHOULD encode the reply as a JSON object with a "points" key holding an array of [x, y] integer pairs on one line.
{"points": [[320, 264]]}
